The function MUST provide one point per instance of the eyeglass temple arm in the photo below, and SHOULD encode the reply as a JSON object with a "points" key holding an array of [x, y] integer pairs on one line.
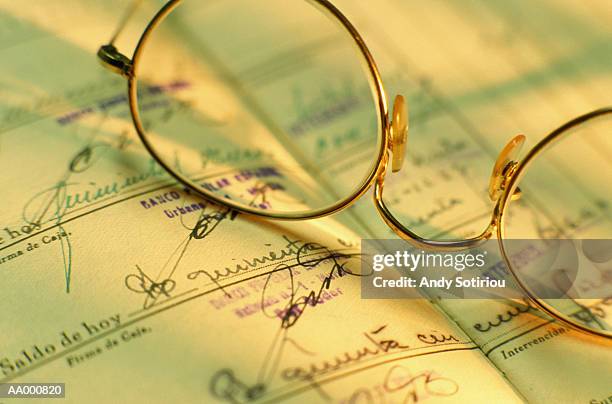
{"points": [[108, 55]]}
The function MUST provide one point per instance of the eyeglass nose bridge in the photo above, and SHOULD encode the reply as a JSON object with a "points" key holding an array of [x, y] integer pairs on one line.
{"points": [[399, 132]]}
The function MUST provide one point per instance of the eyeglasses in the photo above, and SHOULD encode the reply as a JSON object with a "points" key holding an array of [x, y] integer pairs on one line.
{"points": [[277, 109]]}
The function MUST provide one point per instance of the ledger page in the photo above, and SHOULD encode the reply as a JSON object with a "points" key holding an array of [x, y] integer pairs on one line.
{"points": [[477, 73], [128, 288]]}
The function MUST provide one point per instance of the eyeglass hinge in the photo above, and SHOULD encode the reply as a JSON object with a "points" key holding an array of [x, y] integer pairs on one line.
{"points": [[114, 60]]}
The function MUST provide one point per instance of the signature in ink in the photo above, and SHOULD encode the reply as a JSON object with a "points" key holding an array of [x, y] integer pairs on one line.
{"points": [[224, 385], [297, 304], [418, 386], [413, 387], [377, 344], [154, 289], [208, 222], [51, 204], [142, 283]]}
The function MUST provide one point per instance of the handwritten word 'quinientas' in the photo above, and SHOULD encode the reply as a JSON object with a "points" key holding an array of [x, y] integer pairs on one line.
{"points": [[290, 249]]}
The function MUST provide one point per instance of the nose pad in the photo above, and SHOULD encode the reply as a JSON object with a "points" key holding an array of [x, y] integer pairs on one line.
{"points": [[399, 132], [504, 166]]}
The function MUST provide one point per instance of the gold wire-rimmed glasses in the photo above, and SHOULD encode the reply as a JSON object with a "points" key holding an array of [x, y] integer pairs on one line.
{"points": [[275, 119]]}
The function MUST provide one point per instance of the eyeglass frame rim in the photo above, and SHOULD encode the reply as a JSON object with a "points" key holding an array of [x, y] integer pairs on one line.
{"points": [[376, 85], [552, 138], [495, 225]]}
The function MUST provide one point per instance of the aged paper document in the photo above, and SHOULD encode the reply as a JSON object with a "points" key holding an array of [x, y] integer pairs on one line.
{"points": [[128, 288]]}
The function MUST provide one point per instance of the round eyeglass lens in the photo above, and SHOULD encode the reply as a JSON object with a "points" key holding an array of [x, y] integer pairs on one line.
{"points": [[267, 105], [558, 236]]}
